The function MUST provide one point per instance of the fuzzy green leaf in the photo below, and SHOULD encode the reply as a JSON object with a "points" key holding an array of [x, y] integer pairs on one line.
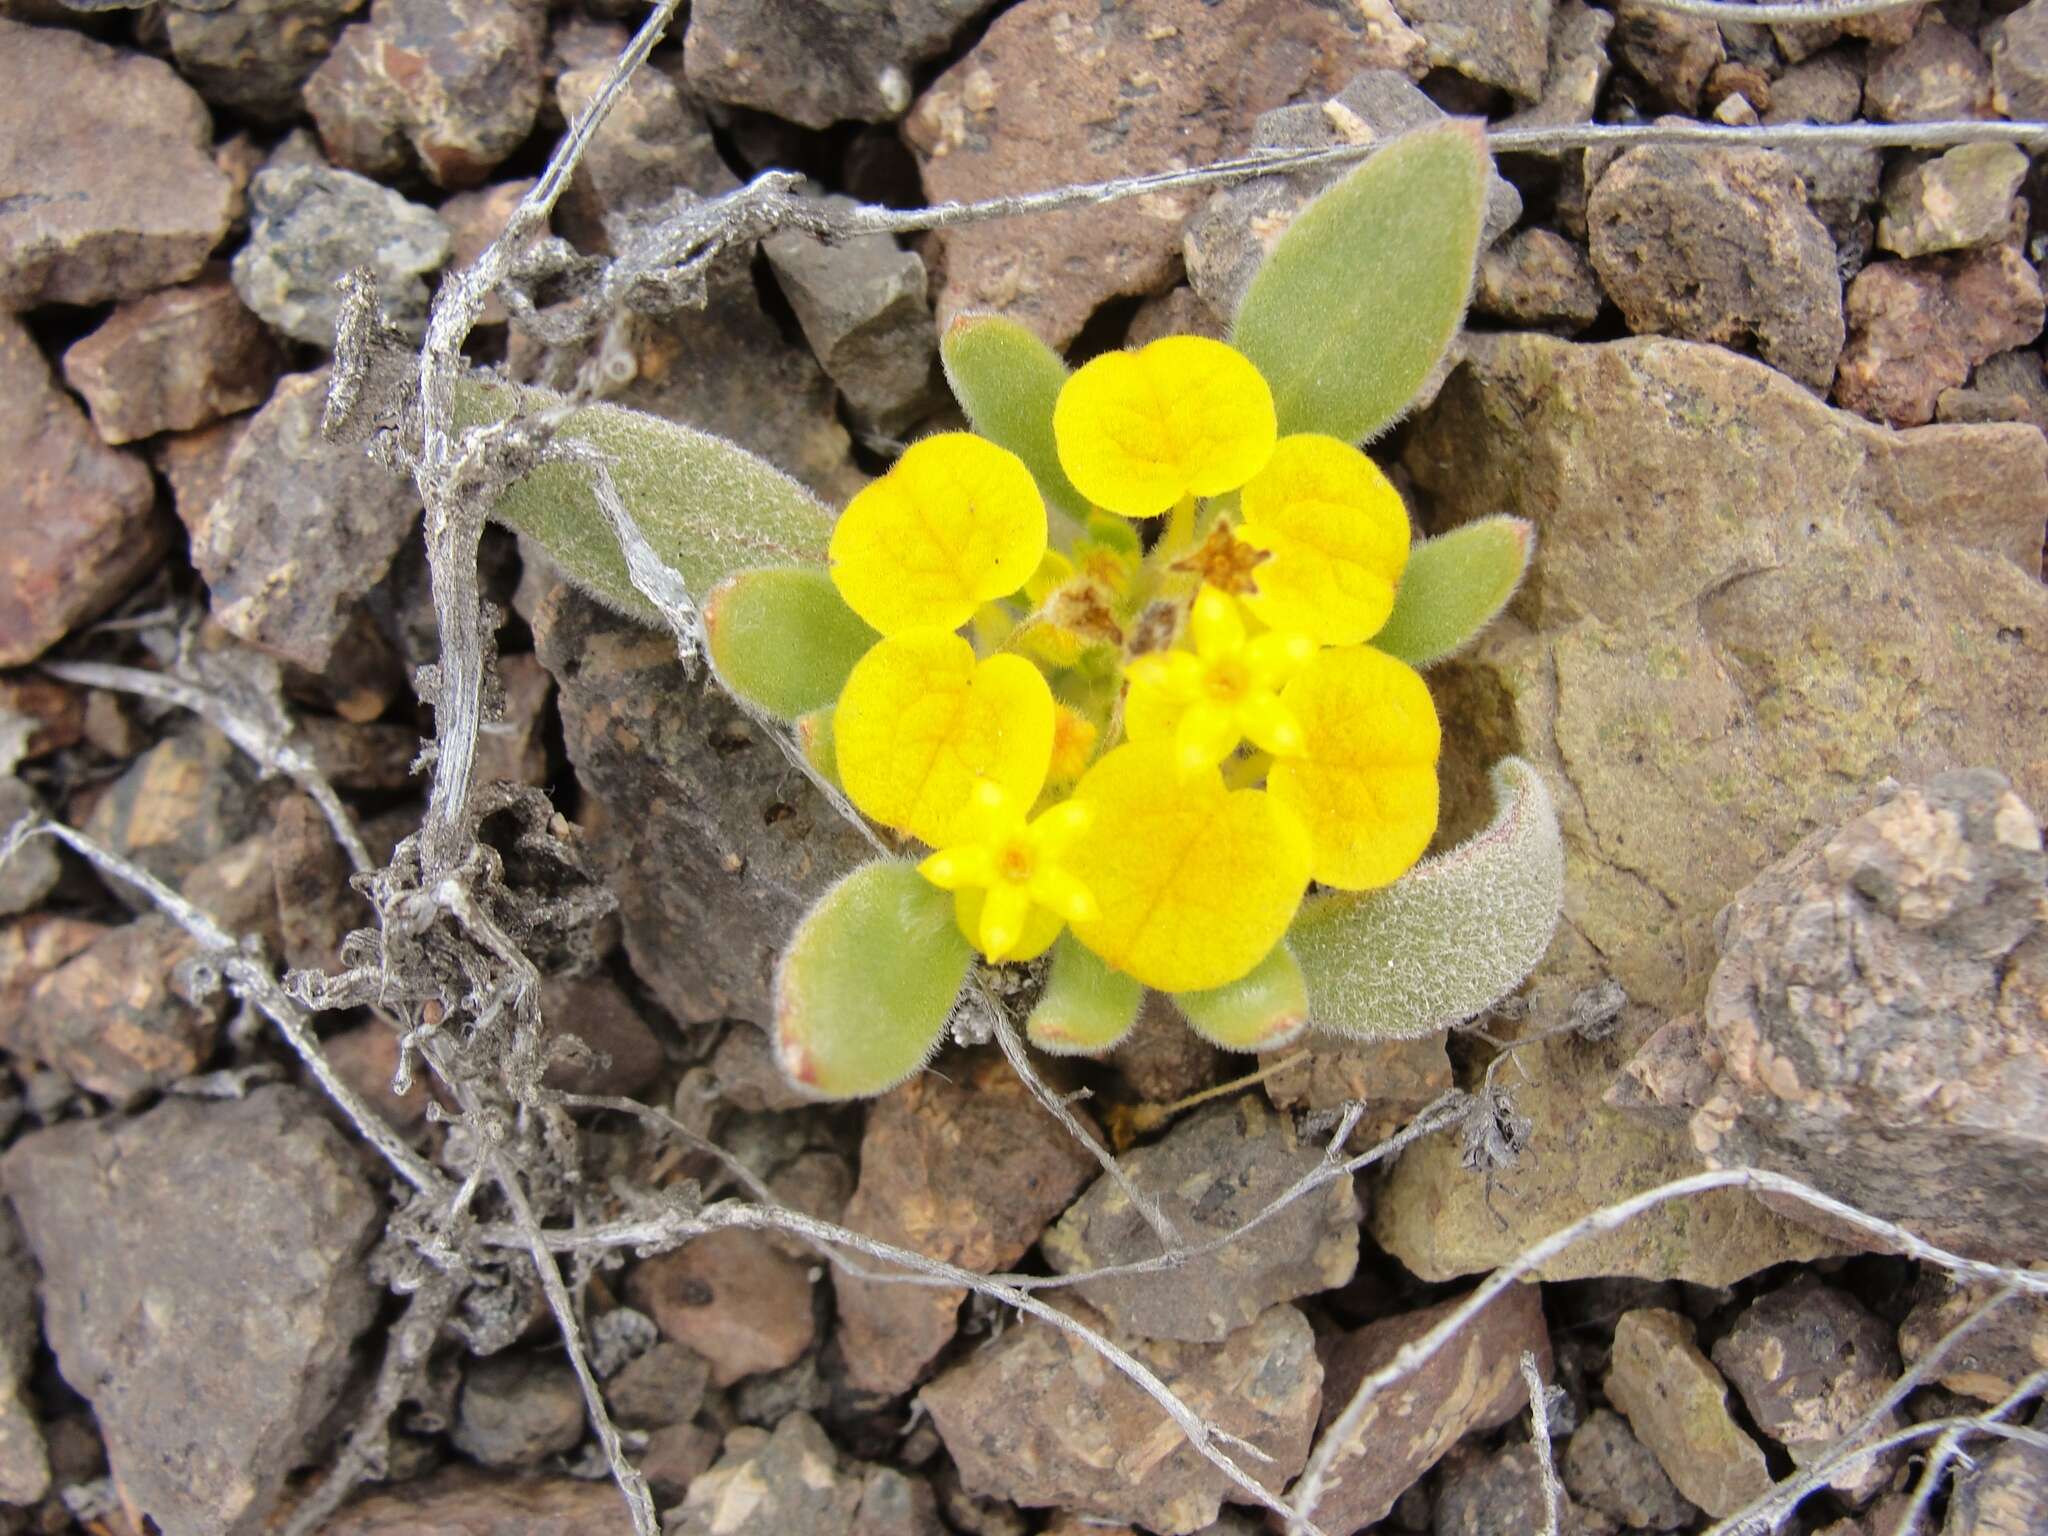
{"points": [[1453, 587], [1257, 1012], [1086, 1007], [1359, 297], [814, 734], [783, 639], [1006, 380], [863, 991], [1450, 939], [706, 506]]}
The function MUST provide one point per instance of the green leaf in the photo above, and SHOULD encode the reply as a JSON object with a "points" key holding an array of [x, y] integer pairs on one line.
{"points": [[1086, 1007], [1257, 1012], [1451, 938], [1006, 380], [1359, 297], [1453, 587], [783, 639], [706, 506], [814, 734], [863, 991]]}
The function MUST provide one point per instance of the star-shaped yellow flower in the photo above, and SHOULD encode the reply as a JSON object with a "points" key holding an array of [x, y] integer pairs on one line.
{"points": [[1226, 690], [1012, 891]]}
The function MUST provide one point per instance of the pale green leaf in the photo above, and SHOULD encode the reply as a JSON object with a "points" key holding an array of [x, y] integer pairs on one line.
{"points": [[1257, 1012], [1006, 380], [783, 639], [864, 989], [820, 743], [706, 506], [1453, 587], [1086, 1007], [1451, 938], [1360, 296]]}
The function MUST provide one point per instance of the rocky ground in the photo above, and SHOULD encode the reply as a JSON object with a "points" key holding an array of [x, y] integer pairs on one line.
{"points": [[1778, 416]]}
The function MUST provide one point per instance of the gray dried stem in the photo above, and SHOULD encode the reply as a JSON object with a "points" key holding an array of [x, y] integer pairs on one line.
{"points": [[1949, 1447], [1539, 1437]]}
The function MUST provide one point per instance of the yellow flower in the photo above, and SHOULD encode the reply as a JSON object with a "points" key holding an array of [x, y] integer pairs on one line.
{"points": [[1225, 690], [1338, 536], [1138, 432], [955, 523], [1011, 891], [921, 722]]}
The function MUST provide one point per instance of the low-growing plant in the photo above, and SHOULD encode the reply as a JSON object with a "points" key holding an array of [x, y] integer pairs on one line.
{"points": [[1128, 674]]}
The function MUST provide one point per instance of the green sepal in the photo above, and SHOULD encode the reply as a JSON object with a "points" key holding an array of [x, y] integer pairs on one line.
{"points": [[1451, 938], [820, 745], [1257, 1012], [863, 991], [1361, 294], [1453, 587], [706, 506], [1085, 1007], [1006, 380], [783, 639], [1113, 532]]}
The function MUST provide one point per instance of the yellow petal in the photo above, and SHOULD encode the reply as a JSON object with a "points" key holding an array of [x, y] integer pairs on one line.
{"points": [[1215, 625], [1073, 743], [921, 723], [1034, 938], [1163, 685], [1206, 735], [1271, 725], [1185, 416], [956, 522], [1193, 883], [1365, 782], [951, 868], [1338, 536]]}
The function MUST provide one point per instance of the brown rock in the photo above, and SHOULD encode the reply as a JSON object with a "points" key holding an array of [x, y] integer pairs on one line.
{"points": [[1039, 1419], [24, 1456], [675, 1457], [621, 1054], [514, 746], [1501, 43], [366, 1058], [518, 1409], [1482, 1494], [1995, 1356], [1163, 1061], [1824, 90], [1538, 278], [1810, 1361], [1939, 74], [664, 1386], [1179, 311], [2007, 1495], [1673, 53], [463, 1501], [1210, 1175], [1577, 70], [1001, 121], [1736, 78], [1880, 1014], [30, 949], [474, 220], [654, 144], [1960, 200], [733, 1298], [33, 871], [459, 81], [1607, 1468], [1719, 246], [1918, 327], [747, 1075], [55, 712], [1714, 651], [196, 464], [1394, 1079], [106, 174], [2006, 387], [316, 907], [795, 1481], [301, 530], [1472, 1383], [965, 1168], [1677, 1404], [175, 360], [187, 799], [77, 519], [2019, 61]]}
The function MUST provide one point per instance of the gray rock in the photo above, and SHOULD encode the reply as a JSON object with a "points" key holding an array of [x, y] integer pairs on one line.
{"points": [[1504, 43], [311, 226], [204, 1284], [1037, 1417], [1607, 1468], [2019, 61], [78, 520], [1672, 52], [30, 874], [1953, 202], [1810, 1361], [254, 55], [518, 1409], [176, 360], [864, 309], [1995, 1356], [454, 82], [1827, 89], [1537, 278], [710, 831], [462, 1501], [1719, 246], [1225, 243], [2007, 386], [107, 179], [796, 1481], [1881, 1015], [2006, 1495], [663, 1386], [302, 529], [1491, 1494], [1211, 1174], [654, 143], [24, 1458], [1577, 70], [817, 65], [1677, 1404], [1938, 74], [1841, 189]]}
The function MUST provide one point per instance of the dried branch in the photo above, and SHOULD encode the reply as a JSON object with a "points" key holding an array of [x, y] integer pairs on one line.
{"points": [[1808, 11], [1952, 1436], [1539, 1436]]}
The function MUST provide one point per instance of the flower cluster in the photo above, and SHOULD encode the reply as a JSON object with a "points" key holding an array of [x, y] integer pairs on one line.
{"points": [[1158, 751]]}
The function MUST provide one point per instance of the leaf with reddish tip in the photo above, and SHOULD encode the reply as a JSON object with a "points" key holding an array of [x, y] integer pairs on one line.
{"points": [[1086, 1007], [1256, 1012], [820, 744], [783, 639], [1449, 939], [865, 987], [1454, 586]]}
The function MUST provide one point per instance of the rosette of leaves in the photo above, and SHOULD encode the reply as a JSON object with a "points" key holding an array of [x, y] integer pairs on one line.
{"points": [[1129, 675]]}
